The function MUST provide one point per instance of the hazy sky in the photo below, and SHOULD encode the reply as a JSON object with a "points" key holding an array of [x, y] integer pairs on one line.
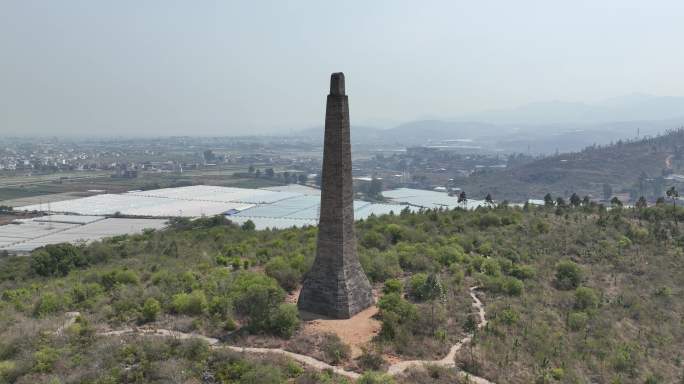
{"points": [[240, 67]]}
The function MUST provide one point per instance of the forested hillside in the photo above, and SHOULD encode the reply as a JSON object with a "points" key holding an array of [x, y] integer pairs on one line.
{"points": [[573, 294], [637, 168]]}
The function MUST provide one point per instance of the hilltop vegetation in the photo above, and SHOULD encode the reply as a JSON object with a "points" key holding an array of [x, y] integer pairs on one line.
{"points": [[637, 168], [574, 294]]}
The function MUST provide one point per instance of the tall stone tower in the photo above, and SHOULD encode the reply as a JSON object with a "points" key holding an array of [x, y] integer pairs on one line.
{"points": [[336, 285]]}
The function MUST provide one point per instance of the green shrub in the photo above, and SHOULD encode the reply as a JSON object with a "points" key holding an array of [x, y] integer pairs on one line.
{"points": [[380, 265], [568, 275], [150, 310], [48, 304], [373, 239], [284, 321], [86, 293], [508, 316], [523, 272], [334, 349], [451, 254], [557, 373], [45, 359], [8, 370], [392, 286], [57, 259], [416, 285], [491, 267], [512, 286], [119, 276], [194, 303], [577, 321], [586, 299], [256, 296], [489, 220], [263, 374], [393, 302], [287, 276], [220, 306], [375, 378]]}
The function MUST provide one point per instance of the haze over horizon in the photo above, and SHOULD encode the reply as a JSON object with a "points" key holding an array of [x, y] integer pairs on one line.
{"points": [[233, 68]]}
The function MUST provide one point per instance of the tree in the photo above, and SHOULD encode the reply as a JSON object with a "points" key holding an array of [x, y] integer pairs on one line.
{"points": [[673, 194], [251, 169], [641, 203], [434, 292], [270, 173], [575, 200], [150, 310], [489, 200], [548, 201], [302, 178], [57, 259], [560, 202], [257, 174], [615, 202], [462, 199], [248, 226], [568, 275]]}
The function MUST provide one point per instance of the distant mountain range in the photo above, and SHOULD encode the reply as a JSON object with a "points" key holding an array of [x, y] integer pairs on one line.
{"points": [[635, 107], [538, 128]]}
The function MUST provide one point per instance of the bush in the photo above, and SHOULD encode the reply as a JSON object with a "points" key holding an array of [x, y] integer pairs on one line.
{"points": [[512, 286], [380, 265], [508, 316], [373, 239], [119, 276], [393, 302], [257, 297], [370, 360], [7, 371], [577, 321], [86, 293], [263, 374], [334, 349], [48, 304], [491, 267], [150, 310], [392, 286], [416, 285], [287, 276], [585, 299], [284, 321], [568, 275], [56, 259], [489, 220], [375, 378], [194, 303], [45, 359], [523, 272]]}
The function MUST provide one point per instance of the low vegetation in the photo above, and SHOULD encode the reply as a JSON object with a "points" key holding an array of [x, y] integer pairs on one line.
{"points": [[574, 294]]}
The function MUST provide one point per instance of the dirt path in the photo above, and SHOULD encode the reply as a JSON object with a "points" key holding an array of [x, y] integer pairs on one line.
{"points": [[448, 360], [394, 369]]}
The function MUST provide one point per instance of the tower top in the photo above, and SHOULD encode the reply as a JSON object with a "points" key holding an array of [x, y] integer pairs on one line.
{"points": [[337, 83]]}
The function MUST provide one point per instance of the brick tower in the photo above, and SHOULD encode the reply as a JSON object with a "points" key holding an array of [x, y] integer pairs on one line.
{"points": [[336, 285]]}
